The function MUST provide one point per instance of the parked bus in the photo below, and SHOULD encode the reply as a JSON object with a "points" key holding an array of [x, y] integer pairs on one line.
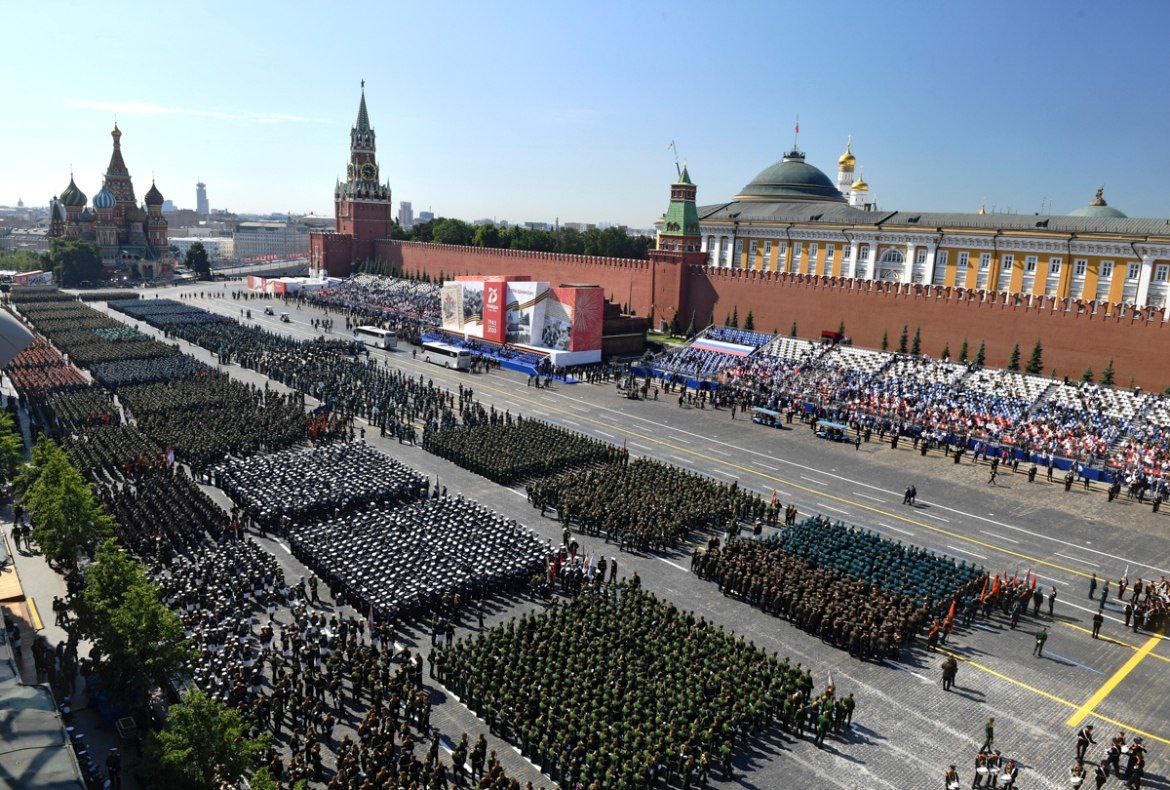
{"points": [[447, 356], [376, 337]]}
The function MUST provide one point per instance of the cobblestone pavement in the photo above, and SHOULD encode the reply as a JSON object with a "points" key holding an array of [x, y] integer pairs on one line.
{"points": [[907, 729]]}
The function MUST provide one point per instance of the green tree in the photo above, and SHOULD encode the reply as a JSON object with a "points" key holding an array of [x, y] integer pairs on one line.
{"points": [[1087, 376], [916, 346], [904, 340], [749, 323], [1014, 359], [981, 354], [204, 745], [735, 317], [452, 231], [691, 329], [963, 351], [841, 329], [66, 516], [196, 260], [1036, 363], [675, 323], [75, 262], [885, 341], [11, 447], [486, 236], [792, 332], [21, 260], [1107, 374], [137, 641], [946, 352]]}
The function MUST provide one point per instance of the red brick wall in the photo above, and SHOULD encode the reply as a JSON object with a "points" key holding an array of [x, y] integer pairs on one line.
{"points": [[1073, 338], [624, 281]]}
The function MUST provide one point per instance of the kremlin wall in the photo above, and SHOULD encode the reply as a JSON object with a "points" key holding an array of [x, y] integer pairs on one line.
{"points": [[794, 246], [1073, 337]]}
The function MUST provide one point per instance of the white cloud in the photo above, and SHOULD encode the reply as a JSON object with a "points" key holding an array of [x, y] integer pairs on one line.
{"points": [[149, 108]]}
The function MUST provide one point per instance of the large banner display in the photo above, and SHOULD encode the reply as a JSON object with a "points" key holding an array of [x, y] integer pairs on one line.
{"points": [[524, 313], [495, 296], [580, 314], [526, 306], [451, 306]]}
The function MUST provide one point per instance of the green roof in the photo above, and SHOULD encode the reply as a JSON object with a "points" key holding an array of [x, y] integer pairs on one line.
{"points": [[685, 178], [363, 121], [792, 178]]}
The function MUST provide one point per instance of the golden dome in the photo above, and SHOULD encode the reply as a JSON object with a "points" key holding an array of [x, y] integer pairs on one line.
{"points": [[859, 185], [847, 160]]}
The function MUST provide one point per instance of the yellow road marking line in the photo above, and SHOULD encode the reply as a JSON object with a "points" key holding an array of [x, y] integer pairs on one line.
{"points": [[1052, 697], [1110, 684], [35, 615], [1120, 642]]}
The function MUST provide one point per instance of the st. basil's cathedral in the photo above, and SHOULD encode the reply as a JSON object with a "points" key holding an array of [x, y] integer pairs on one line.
{"points": [[132, 238]]}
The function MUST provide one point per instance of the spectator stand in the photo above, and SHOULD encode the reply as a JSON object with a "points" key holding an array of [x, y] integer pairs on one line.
{"points": [[700, 363]]}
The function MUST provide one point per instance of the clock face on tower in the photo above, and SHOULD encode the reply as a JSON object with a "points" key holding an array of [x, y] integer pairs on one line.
{"points": [[369, 172]]}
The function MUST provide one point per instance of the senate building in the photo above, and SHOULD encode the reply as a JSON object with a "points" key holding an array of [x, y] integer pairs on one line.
{"points": [[793, 218]]}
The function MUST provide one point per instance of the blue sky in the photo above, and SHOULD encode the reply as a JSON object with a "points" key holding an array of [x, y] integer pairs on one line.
{"points": [[530, 111]]}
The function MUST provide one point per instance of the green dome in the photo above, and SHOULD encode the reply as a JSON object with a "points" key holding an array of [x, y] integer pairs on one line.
{"points": [[793, 179], [72, 196], [1098, 208]]}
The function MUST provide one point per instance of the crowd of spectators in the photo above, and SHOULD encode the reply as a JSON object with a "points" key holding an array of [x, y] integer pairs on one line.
{"points": [[939, 400]]}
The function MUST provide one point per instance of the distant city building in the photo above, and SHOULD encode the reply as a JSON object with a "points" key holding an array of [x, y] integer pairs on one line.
{"points": [[405, 214], [130, 237], [202, 207], [252, 239], [30, 239], [168, 207], [218, 247], [426, 216], [538, 226]]}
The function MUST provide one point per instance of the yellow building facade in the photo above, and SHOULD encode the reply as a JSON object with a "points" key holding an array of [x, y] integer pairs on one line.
{"points": [[793, 218]]}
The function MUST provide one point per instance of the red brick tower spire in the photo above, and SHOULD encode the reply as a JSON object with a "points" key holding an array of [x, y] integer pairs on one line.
{"points": [[363, 204]]}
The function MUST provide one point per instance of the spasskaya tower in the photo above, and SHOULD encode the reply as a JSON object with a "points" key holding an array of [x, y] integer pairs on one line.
{"points": [[362, 206]]}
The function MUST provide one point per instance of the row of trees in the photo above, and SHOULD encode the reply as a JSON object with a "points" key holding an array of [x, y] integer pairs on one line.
{"points": [[21, 260], [138, 643], [610, 242]]}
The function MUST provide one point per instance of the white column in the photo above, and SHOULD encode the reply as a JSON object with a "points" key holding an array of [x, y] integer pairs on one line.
{"points": [[908, 266], [928, 270], [852, 271], [1147, 273]]}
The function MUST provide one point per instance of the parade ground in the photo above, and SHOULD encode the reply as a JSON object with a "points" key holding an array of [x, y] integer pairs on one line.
{"points": [[907, 730]]}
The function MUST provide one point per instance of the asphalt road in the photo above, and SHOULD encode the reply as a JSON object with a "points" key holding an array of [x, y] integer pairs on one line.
{"points": [[909, 729]]}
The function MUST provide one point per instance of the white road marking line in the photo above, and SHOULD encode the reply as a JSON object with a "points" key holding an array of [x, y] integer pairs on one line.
{"points": [[681, 460], [680, 439], [1077, 559], [642, 447], [814, 480], [867, 496], [675, 564], [727, 474], [964, 551], [1050, 579], [987, 628], [896, 529], [606, 435], [998, 537], [830, 507], [904, 668], [518, 493], [940, 518], [720, 452]]}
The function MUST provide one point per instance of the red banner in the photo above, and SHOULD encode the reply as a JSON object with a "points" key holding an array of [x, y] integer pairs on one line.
{"points": [[494, 298]]}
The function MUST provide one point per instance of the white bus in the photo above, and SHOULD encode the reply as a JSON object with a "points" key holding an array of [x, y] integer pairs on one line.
{"points": [[376, 337], [447, 356]]}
